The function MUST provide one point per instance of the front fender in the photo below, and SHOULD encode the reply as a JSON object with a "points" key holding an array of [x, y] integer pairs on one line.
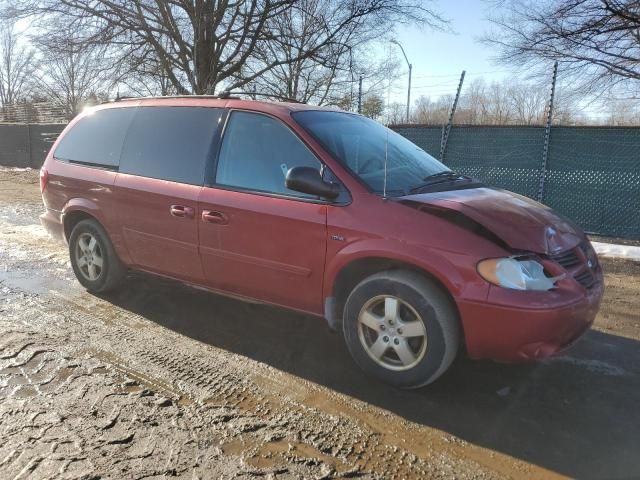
{"points": [[456, 272]]}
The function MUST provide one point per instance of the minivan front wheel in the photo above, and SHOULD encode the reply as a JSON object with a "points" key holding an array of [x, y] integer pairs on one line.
{"points": [[93, 258], [401, 328]]}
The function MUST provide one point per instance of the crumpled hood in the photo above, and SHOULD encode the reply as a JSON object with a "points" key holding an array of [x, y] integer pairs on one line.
{"points": [[521, 223]]}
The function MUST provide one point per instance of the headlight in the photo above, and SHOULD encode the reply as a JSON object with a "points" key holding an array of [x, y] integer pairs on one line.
{"points": [[518, 274]]}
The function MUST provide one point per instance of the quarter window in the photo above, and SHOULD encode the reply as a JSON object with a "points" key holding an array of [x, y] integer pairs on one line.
{"points": [[256, 153], [170, 143], [96, 139]]}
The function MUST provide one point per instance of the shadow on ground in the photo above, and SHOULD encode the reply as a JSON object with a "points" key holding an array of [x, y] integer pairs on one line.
{"points": [[578, 415]]}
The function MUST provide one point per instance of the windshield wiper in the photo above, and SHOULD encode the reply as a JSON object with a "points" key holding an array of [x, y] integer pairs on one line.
{"points": [[440, 177], [446, 174]]}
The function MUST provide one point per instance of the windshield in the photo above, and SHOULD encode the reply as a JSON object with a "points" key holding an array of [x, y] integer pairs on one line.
{"points": [[363, 144]]}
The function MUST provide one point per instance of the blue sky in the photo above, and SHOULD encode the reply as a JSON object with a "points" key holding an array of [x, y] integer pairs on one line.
{"points": [[438, 58]]}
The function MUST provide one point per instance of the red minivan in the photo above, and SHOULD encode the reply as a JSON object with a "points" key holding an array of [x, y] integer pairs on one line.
{"points": [[325, 212]]}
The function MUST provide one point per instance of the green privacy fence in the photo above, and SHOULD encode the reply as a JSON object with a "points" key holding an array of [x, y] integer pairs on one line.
{"points": [[593, 173]]}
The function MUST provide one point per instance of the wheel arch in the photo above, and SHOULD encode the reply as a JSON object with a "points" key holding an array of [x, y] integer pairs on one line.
{"points": [[72, 218], [78, 209], [357, 269], [113, 269]]}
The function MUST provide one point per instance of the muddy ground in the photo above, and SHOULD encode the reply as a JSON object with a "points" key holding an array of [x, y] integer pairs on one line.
{"points": [[161, 380]]}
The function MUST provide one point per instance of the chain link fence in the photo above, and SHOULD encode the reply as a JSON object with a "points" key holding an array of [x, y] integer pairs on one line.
{"points": [[593, 173]]}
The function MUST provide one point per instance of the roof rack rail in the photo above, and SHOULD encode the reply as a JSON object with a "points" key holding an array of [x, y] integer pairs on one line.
{"points": [[270, 95], [224, 95]]}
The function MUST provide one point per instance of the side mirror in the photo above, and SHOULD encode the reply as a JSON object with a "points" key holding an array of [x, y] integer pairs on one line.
{"points": [[308, 180]]}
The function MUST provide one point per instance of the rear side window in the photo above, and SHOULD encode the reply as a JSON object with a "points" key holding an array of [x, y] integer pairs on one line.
{"points": [[170, 143], [96, 139]]}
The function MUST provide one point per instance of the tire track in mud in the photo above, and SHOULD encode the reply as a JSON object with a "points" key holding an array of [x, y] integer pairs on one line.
{"points": [[78, 421], [36, 371], [207, 379]]}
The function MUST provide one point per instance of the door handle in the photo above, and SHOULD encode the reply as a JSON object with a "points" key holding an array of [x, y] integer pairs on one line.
{"points": [[211, 216], [181, 211]]}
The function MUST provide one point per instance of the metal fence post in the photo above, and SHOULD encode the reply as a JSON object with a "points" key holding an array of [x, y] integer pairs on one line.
{"points": [[446, 129], [547, 136], [29, 147]]}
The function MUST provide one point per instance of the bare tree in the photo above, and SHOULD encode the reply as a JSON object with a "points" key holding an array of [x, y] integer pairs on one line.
{"points": [[143, 74], [596, 42], [344, 103], [473, 107], [72, 71], [500, 107], [298, 76], [17, 63], [622, 112], [566, 109], [395, 114], [529, 104], [322, 45], [373, 106], [197, 45], [203, 46], [432, 112], [499, 103]]}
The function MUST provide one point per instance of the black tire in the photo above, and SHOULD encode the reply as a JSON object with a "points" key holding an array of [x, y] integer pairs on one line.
{"points": [[112, 270], [433, 308]]}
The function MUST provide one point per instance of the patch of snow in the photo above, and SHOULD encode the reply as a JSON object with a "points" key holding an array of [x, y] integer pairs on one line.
{"points": [[612, 250], [16, 169], [32, 229]]}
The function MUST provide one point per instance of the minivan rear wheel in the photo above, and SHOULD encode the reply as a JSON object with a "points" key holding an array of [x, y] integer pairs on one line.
{"points": [[401, 328], [93, 258]]}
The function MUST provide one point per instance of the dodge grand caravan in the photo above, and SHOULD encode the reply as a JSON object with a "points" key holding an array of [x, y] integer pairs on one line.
{"points": [[324, 212]]}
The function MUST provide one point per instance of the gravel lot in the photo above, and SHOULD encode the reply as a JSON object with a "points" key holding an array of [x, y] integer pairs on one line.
{"points": [[160, 380]]}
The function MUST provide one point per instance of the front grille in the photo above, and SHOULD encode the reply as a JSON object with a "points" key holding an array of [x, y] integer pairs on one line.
{"points": [[567, 259], [586, 279], [581, 262]]}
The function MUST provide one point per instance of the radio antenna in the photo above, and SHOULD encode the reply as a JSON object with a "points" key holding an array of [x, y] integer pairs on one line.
{"points": [[386, 157]]}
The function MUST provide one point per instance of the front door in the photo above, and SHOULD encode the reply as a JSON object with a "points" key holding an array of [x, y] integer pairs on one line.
{"points": [[161, 175], [257, 238]]}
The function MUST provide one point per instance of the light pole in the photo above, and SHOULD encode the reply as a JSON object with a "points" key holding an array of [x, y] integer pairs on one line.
{"points": [[410, 68]]}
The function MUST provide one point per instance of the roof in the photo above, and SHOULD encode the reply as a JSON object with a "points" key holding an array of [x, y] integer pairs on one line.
{"points": [[213, 101]]}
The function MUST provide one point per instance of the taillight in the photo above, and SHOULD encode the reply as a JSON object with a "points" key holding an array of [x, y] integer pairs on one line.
{"points": [[44, 179]]}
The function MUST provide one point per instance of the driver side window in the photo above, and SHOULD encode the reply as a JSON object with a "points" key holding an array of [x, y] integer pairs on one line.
{"points": [[256, 153]]}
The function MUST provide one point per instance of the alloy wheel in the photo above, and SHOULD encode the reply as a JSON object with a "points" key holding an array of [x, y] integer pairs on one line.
{"points": [[392, 333], [89, 257]]}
